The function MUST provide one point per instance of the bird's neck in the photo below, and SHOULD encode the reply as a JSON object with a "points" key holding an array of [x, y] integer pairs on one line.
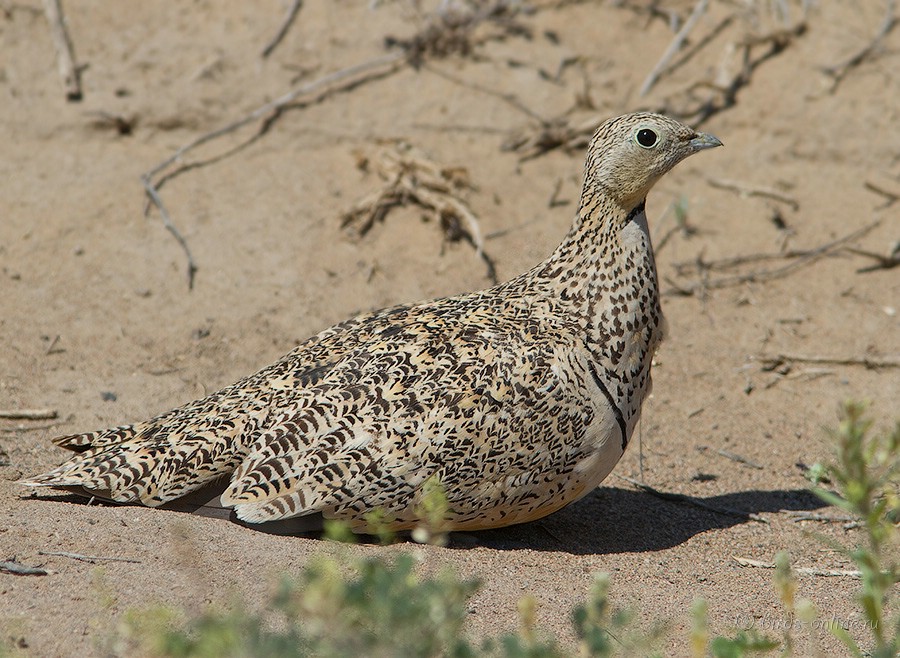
{"points": [[594, 238], [604, 277]]}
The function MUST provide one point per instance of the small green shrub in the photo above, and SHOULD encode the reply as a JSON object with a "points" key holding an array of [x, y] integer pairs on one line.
{"points": [[386, 610], [867, 479], [383, 609]]}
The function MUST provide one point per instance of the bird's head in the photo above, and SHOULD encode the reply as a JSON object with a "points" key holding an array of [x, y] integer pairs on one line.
{"points": [[628, 154]]}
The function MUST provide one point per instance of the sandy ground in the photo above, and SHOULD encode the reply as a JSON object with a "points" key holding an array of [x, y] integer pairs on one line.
{"points": [[97, 321]]}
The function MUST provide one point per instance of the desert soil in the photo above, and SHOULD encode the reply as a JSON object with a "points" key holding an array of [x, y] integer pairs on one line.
{"points": [[97, 321]]}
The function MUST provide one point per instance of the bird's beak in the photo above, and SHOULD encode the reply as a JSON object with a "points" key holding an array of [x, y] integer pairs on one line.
{"points": [[704, 141]]}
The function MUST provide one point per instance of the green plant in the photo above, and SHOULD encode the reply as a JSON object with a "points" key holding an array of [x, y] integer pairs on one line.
{"points": [[744, 643], [607, 631], [867, 479], [433, 509], [385, 611]]}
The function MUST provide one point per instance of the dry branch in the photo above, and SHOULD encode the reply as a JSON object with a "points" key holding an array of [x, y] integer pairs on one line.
{"points": [[559, 132], [551, 134], [674, 46], [774, 361], [510, 99], [739, 459], [153, 195], [21, 429], [798, 259], [803, 571], [51, 349], [448, 31], [65, 54], [364, 70], [88, 558], [724, 94], [746, 190], [839, 71], [888, 262], [411, 178], [341, 80], [451, 30], [797, 517], [16, 569], [891, 196], [28, 414], [286, 23]]}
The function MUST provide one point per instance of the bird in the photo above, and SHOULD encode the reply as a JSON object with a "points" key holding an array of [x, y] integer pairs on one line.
{"points": [[513, 401]]}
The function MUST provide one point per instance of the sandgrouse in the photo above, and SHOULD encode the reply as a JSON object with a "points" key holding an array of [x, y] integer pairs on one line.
{"points": [[516, 400]]}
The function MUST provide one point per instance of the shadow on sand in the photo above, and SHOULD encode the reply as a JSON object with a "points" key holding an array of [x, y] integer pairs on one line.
{"points": [[614, 520], [608, 520]]}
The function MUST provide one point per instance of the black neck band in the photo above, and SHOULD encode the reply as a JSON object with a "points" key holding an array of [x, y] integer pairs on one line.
{"points": [[637, 210]]}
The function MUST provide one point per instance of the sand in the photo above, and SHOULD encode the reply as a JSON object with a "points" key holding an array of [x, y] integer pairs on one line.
{"points": [[97, 321]]}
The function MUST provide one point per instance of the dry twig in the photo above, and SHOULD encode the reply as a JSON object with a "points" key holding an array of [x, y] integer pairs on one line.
{"points": [[724, 94], [891, 196], [797, 517], [16, 569], [798, 259], [341, 80], [551, 134], [22, 429], [88, 558], [289, 17], [446, 32], [51, 349], [739, 459], [28, 414], [451, 30], [746, 190], [153, 195], [510, 99], [559, 132], [674, 47], [803, 571], [839, 71], [772, 362], [65, 54], [411, 178], [888, 262]]}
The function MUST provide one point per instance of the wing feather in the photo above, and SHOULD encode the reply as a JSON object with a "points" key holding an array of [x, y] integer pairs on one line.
{"points": [[470, 407]]}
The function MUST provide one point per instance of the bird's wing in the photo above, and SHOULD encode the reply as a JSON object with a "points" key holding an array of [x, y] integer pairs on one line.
{"points": [[487, 407]]}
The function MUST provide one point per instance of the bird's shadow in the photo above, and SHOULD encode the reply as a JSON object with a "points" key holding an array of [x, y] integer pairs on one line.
{"points": [[614, 520], [609, 520]]}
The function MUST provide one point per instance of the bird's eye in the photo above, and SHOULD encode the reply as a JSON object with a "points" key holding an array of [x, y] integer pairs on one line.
{"points": [[646, 138]]}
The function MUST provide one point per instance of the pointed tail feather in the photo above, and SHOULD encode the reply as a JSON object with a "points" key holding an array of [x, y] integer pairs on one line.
{"points": [[163, 459], [84, 442]]}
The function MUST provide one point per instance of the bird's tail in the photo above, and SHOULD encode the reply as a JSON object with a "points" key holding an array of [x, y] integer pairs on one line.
{"points": [[162, 459], [89, 440]]}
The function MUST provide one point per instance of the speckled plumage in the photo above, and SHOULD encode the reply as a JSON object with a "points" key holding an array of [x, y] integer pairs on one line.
{"points": [[518, 399]]}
